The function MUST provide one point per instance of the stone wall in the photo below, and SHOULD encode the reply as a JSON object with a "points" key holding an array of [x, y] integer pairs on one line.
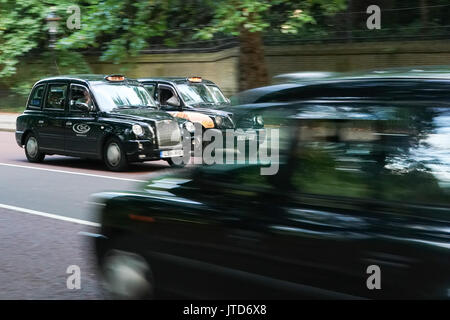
{"points": [[222, 67]]}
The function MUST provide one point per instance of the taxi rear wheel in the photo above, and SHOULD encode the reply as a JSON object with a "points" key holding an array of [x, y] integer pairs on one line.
{"points": [[114, 156], [32, 149]]}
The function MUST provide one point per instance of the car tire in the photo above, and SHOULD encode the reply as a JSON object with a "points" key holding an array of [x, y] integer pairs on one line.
{"points": [[126, 275], [32, 149], [114, 155], [178, 163]]}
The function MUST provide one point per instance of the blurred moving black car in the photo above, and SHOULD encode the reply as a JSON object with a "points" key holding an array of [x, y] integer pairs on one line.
{"points": [[363, 182], [362, 84], [301, 76]]}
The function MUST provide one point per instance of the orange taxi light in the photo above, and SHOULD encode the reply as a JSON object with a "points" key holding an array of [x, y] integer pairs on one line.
{"points": [[195, 79], [115, 78]]}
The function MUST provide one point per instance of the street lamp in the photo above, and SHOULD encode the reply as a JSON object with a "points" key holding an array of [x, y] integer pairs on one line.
{"points": [[52, 23]]}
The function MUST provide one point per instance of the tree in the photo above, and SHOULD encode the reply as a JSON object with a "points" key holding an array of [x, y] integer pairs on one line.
{"points": [[126, 27], [120, 29], [248, 19], [24, 40]]}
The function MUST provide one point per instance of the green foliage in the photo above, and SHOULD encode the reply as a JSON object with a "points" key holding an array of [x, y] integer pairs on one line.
{"points": [[120, 29], [231, 16], [24, 41]]}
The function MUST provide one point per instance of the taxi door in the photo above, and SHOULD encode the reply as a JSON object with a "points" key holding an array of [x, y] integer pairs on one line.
{"points": [[51, 127], [81, 126]]}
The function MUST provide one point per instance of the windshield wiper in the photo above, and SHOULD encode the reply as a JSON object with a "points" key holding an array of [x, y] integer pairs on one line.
{"points": [[135, 107], [123, 107]]}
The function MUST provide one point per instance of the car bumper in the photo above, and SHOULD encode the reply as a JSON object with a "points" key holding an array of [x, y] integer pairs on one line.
{"points": [[144, 150], [19, 135]]}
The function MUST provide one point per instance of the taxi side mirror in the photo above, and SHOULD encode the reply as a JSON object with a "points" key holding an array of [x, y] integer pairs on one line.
{"points": [[174, 102]]}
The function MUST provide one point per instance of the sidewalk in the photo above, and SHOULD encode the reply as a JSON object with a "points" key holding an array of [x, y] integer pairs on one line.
{"points": [[8, 121]]}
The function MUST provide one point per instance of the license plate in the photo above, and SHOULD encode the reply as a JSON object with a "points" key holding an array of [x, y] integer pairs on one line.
{"points": [[251, 136], [171, 153]]}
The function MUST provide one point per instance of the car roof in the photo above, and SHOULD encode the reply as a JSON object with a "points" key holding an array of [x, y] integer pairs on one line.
{"points": [[415, 72], [173, 80], [404, 73], [82, 77]]}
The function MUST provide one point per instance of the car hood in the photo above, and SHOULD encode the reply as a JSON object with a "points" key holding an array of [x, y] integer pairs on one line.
{"points": [[220, 111], [140, 114]]}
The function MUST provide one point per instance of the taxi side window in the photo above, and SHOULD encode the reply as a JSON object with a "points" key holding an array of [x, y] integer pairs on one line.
{"points": [[36, 97], [80, 94], [396, 157], [150, 89], [164, 94], [335, 159], [56, 96]]}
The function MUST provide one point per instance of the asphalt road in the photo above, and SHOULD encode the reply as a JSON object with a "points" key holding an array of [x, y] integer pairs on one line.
{"points": [[44, 210], [62, 185]]}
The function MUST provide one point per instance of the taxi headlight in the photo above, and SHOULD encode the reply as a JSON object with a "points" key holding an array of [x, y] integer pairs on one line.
{"points": [[138, 130], [189, 126], [218, 120], [259, 120]]}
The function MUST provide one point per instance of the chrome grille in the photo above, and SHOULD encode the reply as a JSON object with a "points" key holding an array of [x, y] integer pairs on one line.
{"points": [[168, 133]]}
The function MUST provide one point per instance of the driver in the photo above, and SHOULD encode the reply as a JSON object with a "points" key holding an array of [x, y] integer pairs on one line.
{"points": [[85, 98]]}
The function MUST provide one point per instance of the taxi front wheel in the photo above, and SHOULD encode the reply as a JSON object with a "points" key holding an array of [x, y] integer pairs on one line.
{"points": [[114, 156], [32, 149], [176, 162]]}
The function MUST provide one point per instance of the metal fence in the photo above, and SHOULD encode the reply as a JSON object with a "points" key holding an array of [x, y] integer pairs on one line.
{"points": [[396, 24]]}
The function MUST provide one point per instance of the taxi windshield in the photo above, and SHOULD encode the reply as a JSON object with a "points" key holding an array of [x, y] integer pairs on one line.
{"points": [[217, 94], [121, 96], [197, 94]]}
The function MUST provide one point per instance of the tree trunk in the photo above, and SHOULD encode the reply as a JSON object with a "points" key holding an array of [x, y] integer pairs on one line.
{"points": [[424, 15], [252, 65]]}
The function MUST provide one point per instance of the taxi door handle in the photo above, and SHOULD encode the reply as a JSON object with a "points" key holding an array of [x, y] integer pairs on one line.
{"points": [[68, 123]]}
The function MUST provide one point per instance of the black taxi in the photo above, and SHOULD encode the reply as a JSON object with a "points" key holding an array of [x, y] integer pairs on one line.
{"points": [[359, 207], [112, 118], [202, 102]]}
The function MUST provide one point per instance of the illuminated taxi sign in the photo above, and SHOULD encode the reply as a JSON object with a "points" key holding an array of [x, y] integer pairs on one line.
{"points": [[195, 79], [115, 77]]}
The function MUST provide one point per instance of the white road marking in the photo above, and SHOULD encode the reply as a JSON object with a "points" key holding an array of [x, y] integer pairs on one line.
{"points": [[50, 215], [71, 172]]}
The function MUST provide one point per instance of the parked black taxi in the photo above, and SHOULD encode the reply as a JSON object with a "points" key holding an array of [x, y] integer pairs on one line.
{"points": [[96, 116], [202, 102], [359, 208]]}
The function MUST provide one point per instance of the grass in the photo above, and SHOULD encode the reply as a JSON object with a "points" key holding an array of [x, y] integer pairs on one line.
{"points": [[12, 103], [12, 109]]}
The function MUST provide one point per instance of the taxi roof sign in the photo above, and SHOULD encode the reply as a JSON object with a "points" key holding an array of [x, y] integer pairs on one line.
{"points": [[195, 79], [115, 77]]}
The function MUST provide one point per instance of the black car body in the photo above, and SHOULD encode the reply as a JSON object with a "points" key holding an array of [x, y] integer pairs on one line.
{"points": [[201, 101], [99, 117], [363, 185], [358, 84]]}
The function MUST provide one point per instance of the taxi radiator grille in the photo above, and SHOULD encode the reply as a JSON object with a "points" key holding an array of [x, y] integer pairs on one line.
{"points": [[168, 133]]}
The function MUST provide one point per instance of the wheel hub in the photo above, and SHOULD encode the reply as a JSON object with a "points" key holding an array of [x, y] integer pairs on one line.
{"points": [[113, 154], [32, 147], [125, 275]]}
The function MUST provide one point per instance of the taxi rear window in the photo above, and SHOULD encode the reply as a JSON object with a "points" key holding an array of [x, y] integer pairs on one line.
{"points": [[36, 97]]}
